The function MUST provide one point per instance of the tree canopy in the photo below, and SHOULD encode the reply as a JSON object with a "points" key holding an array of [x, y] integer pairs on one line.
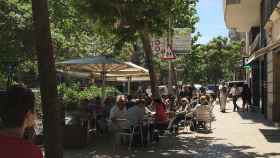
{"points": [[212, 62]]}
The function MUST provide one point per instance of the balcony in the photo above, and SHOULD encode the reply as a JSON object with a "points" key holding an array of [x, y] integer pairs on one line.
{"points": [[242, 14], [255, 45]]}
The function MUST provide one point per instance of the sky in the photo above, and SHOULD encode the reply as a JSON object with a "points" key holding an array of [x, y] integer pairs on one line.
{"points": [[211, 23]]}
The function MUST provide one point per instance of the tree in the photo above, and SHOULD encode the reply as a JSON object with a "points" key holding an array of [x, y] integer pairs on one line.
{"points": [[73, 36], [212, 62], [15, 36], [46, 63], [139, 19]]}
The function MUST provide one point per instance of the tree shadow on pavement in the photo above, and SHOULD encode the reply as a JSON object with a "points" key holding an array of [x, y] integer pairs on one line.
{"points": [[256, 117], [186, 147]]}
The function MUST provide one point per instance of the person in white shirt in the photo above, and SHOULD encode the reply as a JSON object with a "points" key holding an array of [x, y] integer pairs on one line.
{"points": [[118, 114], [234, 91], [223, 97]]}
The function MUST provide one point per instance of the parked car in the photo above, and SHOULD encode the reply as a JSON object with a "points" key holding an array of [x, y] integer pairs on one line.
{"points": [[212, 90], [238, 83]]}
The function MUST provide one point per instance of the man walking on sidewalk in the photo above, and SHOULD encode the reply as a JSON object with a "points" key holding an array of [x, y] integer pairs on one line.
{"points": [[223, 97], [234, 93]]}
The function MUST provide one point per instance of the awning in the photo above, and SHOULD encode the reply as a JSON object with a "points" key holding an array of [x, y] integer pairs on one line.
{"points": [[263, 51]]}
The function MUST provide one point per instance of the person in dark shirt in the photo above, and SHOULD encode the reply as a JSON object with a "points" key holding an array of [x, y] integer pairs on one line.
{"points": [[17, 114], [130, 103], [246, 97]]}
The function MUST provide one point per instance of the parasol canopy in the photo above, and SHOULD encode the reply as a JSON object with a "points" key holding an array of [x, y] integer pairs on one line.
{"points": [[94, 64], [108, 69]]}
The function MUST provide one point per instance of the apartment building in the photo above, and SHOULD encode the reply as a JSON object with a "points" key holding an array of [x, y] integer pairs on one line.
{"points": [[260, 21]]}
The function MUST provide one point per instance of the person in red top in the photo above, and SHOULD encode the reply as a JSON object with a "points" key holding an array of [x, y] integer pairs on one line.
{"points": [[17, 114], [161, 118]]}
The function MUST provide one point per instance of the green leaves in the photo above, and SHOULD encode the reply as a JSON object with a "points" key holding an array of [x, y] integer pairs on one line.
{"points": [[73, 95], [212, 62], [127, 17]]}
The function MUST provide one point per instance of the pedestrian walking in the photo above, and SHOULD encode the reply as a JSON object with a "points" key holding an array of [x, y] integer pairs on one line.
{"points": [[234, 92], [223, 97], [246, 98]]}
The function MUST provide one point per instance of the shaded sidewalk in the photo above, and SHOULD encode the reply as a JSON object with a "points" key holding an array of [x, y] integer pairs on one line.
{"points": [[235, 135]]}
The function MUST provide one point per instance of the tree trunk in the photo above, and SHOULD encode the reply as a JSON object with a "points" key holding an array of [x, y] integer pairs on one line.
{"points": [[145, 37], [47, 73], [136, 55]]}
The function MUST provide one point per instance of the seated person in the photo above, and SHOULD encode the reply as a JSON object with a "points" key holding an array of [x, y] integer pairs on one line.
{"points": [[135, 114], [161, 118], [96, 106], [17, 115], [118, 114], [204, 100], [205, 96], [203, 104], [201, 107], [181, 114], [183, 105], [130, 102], [194, 102], [108, 104], [96, 112]]}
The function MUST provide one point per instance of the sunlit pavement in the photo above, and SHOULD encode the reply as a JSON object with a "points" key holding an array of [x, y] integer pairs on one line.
{"points": [[234, 135]]}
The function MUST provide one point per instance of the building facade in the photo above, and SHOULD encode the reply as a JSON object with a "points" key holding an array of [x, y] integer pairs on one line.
{"points": [[260, 20]]}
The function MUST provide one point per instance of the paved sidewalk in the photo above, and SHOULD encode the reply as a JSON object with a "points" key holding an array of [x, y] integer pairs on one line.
{"points": [[238, 134], [235, 135]]}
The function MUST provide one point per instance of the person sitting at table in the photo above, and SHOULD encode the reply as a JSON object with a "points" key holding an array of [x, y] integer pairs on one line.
{"points": [[96, 111], [161, 118], [17, 114], [204, 95], [118, 114], [135, 114], [108, 104], [130, 102], [204, 105], [194, 102], [180, 115], [183, 106]]}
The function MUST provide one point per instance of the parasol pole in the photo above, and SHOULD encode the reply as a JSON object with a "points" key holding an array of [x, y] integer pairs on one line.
{"points": [[129, 84], [103, 76]]}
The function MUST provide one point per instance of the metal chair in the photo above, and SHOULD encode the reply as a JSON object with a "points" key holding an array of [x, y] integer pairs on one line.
{"points": [[131, 133], [203, 115], [189, 122]]}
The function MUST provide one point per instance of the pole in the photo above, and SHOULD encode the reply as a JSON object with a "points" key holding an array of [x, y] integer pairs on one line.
{"points": [[170, 90], [103, 78], [129, 85], [169, 62]]}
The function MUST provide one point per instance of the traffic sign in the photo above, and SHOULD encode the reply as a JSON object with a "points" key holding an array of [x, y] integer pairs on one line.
{"points": [[168, 54]]}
